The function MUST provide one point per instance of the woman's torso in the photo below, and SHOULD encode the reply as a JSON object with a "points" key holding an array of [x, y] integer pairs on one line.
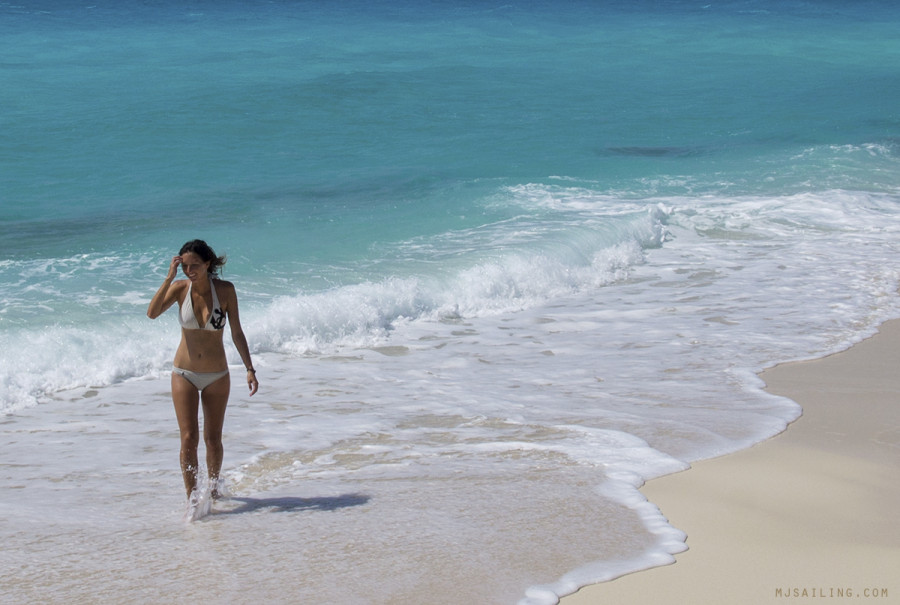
{"points": [[201, 350]]}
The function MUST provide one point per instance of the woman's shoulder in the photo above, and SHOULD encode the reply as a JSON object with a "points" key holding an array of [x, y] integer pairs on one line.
{"points": [[223, 286], [222, 283]]}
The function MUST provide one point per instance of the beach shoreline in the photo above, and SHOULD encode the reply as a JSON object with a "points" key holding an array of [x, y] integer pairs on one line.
{"points": [[804, 516]]}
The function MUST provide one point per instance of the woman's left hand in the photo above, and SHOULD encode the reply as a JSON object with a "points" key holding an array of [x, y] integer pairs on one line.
{"points": [[252, 382]]}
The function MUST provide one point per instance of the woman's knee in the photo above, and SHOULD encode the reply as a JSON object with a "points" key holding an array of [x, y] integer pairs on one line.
{"points": [[190, 439], [213, 440]]}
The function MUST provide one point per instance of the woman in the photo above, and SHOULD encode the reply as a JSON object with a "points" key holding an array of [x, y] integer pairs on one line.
{"points": [[201, 368]]}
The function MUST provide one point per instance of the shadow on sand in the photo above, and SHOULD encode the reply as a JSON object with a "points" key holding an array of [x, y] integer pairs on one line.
{"points": [[287, 504]]}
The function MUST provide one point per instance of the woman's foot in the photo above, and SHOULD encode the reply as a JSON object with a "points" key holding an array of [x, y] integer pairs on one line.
{"points": [[218, 491], [198, 506]]}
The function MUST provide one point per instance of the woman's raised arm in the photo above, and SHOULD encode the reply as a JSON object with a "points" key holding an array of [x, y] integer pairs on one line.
{"points": [[167, 294]]}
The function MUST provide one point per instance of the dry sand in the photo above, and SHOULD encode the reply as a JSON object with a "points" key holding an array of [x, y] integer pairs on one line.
{"points": [[809, 516]]}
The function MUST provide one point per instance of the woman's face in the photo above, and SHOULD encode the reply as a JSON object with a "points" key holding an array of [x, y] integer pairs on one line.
{"points": [[193, 266]]}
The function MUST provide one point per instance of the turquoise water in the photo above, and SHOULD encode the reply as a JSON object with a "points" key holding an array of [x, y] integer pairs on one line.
{"points": [[196, 118], [470, 240]]}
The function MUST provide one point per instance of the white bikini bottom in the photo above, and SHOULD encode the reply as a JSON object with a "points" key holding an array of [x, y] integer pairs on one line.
{"points": [[201, 380]]}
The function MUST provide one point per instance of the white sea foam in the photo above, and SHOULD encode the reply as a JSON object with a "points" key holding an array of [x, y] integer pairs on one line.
{"points": [[96, 335], [81, 321]]}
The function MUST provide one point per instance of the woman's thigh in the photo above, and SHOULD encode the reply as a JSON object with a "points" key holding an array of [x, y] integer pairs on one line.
{"points": [[215, 400], [186, 400]]}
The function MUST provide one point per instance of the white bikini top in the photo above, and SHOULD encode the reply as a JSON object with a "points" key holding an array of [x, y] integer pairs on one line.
{"points": [[188, 319]]}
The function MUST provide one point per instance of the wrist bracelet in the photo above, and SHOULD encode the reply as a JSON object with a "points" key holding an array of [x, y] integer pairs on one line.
{"points": [[251, 370]]}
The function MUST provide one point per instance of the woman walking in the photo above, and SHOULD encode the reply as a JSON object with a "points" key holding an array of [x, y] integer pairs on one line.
{"points": [[200, 375]]}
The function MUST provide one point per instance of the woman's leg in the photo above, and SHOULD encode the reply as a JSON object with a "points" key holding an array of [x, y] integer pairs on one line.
{"points": [[215, 400], [187, 399]]}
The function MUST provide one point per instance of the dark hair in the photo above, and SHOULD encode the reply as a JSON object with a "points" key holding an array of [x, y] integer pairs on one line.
{"points": [[206, 254]]}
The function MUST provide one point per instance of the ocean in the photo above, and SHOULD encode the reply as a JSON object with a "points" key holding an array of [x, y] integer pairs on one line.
{"points": [[498, 264]]}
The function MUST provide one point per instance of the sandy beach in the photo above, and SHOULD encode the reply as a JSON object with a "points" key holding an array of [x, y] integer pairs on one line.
{"points": [[808, 516]]}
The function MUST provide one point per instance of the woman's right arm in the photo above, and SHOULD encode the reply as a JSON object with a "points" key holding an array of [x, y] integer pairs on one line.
{"points": [[167, 294]]}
